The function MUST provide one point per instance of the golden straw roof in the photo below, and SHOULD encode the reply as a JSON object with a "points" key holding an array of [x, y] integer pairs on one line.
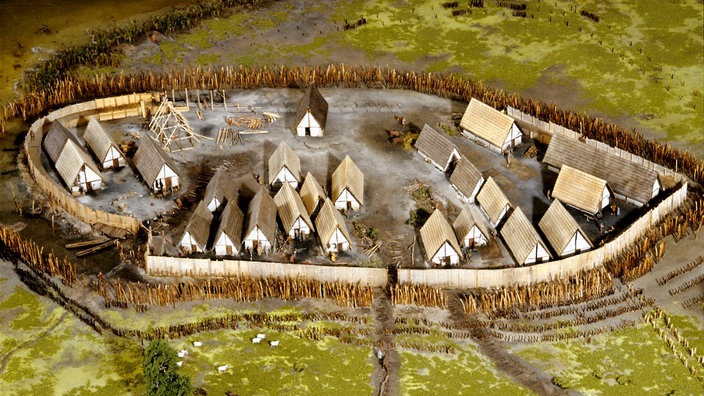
{"points": [[559, 226], [492, 200], [579, 189], [435, 232], [624, 177], [467, 219], [329, 219], [231, 223], [486, 122], [520, 236], [284, 157], [290, 207], [98, 139], [348, 176], [311, 192], [465, 176], [436, 146]]}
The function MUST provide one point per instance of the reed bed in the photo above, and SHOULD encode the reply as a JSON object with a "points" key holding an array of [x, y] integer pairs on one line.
{"points": [[590, 284], [414, 294], [121, 294]]}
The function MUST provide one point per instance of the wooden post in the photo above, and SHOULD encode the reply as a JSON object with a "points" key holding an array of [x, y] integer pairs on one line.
{"points": [[212, 102]]}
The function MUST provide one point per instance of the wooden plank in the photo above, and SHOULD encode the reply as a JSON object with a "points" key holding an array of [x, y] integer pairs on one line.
{"points": [[82, 244], [95, 249]]}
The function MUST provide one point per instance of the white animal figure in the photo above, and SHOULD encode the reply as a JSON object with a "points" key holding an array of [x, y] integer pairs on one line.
{"points": [[182, 353], [261, 335], [221, 369], [256, 340], [197, 343], [274, 343], [179, 364]]}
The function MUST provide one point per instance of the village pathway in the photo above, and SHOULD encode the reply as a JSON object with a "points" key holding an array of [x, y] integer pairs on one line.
{"points": [[496, 350], [386, 371]]}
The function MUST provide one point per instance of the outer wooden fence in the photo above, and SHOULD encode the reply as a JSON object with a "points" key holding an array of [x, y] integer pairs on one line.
{"points": [[493, 278], [70, 116], [204, 267]]}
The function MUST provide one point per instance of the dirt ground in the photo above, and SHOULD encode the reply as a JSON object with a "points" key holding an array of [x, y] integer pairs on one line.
{"points": [[356, 126]]}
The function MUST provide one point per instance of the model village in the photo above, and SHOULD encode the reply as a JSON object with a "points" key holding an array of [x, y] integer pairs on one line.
{"points": [[479, 191]]}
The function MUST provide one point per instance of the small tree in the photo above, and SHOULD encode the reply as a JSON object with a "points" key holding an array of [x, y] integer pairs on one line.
{"points": [[160, 371]]}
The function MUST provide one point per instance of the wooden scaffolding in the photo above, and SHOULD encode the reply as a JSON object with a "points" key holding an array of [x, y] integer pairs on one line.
{"points": [[171, 128]]}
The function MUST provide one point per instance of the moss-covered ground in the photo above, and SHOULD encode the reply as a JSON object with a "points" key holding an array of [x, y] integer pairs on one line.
{"points": [[44, 350], [465, 371], [296, 366], [627, 362]]}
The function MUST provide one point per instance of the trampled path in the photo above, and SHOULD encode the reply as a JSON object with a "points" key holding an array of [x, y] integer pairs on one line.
{"points": [[507, 363]]}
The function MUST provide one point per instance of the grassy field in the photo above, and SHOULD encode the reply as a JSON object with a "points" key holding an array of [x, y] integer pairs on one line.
{"points": [[296, 366], [464, 372], [640, 65], [631, 361], [46, 350]]}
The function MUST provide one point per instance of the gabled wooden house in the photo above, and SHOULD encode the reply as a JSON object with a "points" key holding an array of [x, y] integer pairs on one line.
{"points": [[348, 186], [228, 237], [581, 190], [523, 240], [103, 146], [493, 202], [439, 241], [437, 149], [471, 229], [312, 194], [628, 180], [55, 139], [77, 169], [332, 229], [284, 167], [221, 189], [467, 179], [490, 127], [260, 229], [293, 214], [311, 114], [156, 167], [195, 236], [562, 231]]}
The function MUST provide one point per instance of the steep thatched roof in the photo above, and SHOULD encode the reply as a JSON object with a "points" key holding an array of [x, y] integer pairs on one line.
{"points": [[329, 219], [291, 208], [520, 236], [98, 139], [492, 200], [436, 147], [150, 158], [231, 223], [55, 140], [623, 176], [262, 213], [559, 227], [465, 177], [284, 157], [348, 176], [579, 189], [313, 102], [486, 122], [435, 232]]}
